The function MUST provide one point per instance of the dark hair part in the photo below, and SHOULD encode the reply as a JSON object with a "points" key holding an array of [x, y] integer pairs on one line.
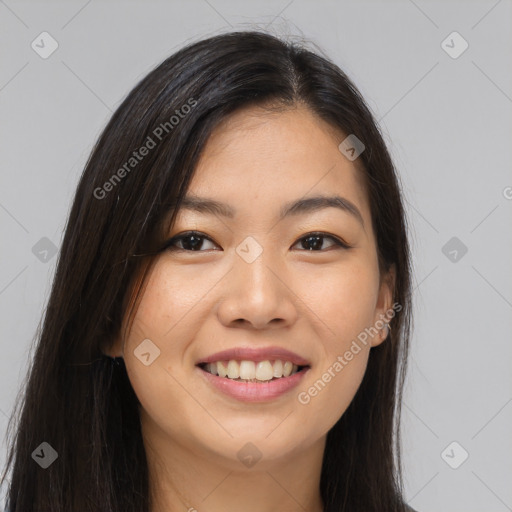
{"points": [[75, 399]]}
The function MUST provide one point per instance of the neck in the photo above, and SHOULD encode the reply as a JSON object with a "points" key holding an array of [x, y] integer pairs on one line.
{"points": [[184, 477]]}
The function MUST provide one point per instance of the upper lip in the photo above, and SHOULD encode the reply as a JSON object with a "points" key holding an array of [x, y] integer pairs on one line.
{"points": [[256, 354]]}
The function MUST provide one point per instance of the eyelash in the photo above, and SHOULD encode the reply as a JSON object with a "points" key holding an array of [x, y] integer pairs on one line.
{"points": [[169, 245]]}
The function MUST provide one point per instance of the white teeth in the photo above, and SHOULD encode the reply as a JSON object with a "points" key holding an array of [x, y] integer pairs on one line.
{"points": [[251, 371], [221, 369], [247, 370], [233, 370], [264, 370], [278, 368]]}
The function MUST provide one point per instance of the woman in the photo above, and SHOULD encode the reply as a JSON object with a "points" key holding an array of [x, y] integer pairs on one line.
{"points": [[229, 319]]}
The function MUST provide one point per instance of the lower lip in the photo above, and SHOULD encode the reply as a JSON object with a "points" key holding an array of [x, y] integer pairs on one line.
{"points": [[254, 391]]}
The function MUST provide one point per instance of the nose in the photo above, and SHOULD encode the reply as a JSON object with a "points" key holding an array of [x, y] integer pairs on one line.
{"points": [[258, 295]]}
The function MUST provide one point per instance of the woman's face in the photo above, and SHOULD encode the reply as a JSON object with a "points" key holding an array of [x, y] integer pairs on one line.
{"points": [[257, 283]]}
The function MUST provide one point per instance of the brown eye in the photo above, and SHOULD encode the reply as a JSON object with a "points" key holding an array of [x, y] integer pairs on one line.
{"points": [[315, 242], [191, 241]]}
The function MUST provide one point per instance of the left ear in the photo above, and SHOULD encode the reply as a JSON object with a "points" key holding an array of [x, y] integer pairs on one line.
{"points": [[384, 303]]}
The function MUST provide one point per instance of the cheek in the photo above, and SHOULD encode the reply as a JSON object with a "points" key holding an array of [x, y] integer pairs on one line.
{"points": [[343, 298], [332, 389], [166, 408], [170, 296], [334, 381], [161, 386], [344, 301], [156, 320], [170, 313]]}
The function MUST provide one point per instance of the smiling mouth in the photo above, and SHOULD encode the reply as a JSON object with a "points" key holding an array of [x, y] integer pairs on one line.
{"points": [[251, 371]]}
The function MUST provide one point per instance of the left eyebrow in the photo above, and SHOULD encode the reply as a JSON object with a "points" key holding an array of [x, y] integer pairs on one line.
{"points": [[298, 207], [316, 203]]}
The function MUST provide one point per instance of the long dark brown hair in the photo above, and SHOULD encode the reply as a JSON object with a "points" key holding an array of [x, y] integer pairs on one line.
{"points": [[78, 401]]}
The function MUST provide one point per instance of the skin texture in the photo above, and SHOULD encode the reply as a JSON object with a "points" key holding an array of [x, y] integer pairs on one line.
{"points": [[313, 302]]}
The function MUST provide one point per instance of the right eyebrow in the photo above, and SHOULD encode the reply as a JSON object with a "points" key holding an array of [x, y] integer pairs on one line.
{"points": [[206, 205]]}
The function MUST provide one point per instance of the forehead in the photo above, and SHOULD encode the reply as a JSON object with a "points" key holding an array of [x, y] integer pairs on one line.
{"points": [[276, 156]]}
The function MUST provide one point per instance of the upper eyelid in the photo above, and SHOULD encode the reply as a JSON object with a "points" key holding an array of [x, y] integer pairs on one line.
{"points": [[185, 234]]}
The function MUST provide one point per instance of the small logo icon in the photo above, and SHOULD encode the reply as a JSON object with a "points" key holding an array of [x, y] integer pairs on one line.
{"points": [[44, 455], [249, 249], [454, 249], [146, 352], [351, 147], [44, 45], [454, 455], [44, 250], [454, 45], [249, 455]]}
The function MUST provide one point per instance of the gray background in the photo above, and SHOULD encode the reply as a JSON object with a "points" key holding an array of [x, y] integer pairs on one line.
{"points": [[448, 124]]}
